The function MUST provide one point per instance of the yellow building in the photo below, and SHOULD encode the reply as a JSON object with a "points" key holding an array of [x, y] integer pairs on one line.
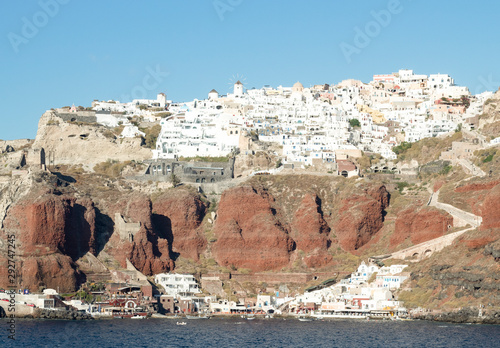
{"points": [[377, 116]]}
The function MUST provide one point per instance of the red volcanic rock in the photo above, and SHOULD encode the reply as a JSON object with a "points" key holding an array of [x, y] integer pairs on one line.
{"points": [[58, 223], [360, 217], [177, 216], [437, 185], [51, 231], [249, 234], [148, 251], [45, 223], [55, 271], [477, 186], [420, 225], [311, 232], [80, 229], [490, 209], [149, 257]]}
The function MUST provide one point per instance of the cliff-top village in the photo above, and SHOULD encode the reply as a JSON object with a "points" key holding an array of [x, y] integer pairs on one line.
{"points": [[327, 127]]}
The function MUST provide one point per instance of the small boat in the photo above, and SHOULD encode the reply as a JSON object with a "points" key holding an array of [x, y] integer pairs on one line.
{"points": [[250, 318], [138, 317], [305, 319], [181, 323], [117, 317]]}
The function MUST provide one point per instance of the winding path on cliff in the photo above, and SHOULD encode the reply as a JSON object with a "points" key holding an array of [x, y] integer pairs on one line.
{"points": [[461, 218]]}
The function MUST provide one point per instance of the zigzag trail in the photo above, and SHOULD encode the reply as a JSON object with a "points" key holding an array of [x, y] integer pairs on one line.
{"points": [[460, 219]]}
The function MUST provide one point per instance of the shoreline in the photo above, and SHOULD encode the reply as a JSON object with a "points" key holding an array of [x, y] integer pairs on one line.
{"points": [[462, 316]]}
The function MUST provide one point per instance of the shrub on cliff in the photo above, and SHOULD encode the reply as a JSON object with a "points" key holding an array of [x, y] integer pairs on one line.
{"points": [[151, 135], [112, 168], [354, 122]]}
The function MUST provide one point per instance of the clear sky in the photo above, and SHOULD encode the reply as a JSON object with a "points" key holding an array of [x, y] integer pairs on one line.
{"points": [[57, 53]]}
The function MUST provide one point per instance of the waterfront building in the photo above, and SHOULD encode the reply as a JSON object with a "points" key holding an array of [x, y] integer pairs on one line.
{"points": [[177, 284]]}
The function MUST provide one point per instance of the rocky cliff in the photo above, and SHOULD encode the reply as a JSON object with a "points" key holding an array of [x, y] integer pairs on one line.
{"points": [[420, 224], [361, 216], [317, 223], [55, 225], [249, 232], [467, 273], [73, 143], [262, 227]]}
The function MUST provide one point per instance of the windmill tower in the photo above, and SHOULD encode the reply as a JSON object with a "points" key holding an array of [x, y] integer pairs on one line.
{"points": [[238, 89]]}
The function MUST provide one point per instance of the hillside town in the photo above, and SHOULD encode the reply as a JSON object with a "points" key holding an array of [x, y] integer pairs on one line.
{"points": [[366, 293], [313, 125], [322, 125]]}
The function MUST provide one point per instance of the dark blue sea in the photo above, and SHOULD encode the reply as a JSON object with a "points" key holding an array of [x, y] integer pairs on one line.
{"points": [[217, 332]]}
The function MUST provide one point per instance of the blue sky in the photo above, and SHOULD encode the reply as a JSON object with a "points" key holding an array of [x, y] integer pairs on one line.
{"points": [[78, 51]]}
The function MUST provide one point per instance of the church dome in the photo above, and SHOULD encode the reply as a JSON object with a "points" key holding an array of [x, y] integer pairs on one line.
{"points": [[297, 87]]}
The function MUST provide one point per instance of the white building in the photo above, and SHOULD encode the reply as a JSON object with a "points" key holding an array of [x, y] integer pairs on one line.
{"points": [[175, 284], [439, 81]]}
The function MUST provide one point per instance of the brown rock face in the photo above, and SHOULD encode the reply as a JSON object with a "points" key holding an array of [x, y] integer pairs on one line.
{"points": [[311, 232], [360, 217], [420, 225], [51, 232], [55, 271], [249, 234], [177, 218], [149, 252], [490, 209]]}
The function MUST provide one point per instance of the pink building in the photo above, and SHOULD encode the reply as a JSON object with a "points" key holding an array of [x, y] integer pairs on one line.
{"points": [[384, 78]]}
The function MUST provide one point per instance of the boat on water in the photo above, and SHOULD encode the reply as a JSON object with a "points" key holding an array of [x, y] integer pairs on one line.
{"points": [[248, 316], [138, 317], [130, 315], [305, 319], [181, 323], [341, 315], [402, 319]]}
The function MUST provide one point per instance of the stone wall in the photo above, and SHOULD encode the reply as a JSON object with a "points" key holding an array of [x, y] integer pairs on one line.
{"points": [[278, 278], [190, 172], [434, 167], [126, 230], [80, 116]]}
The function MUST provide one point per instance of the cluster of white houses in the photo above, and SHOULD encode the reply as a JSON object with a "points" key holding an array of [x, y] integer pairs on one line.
{"points": [[368, 290], [314, 124]]}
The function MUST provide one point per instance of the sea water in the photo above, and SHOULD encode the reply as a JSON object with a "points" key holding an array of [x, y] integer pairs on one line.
{"points": [[238, 332]]}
